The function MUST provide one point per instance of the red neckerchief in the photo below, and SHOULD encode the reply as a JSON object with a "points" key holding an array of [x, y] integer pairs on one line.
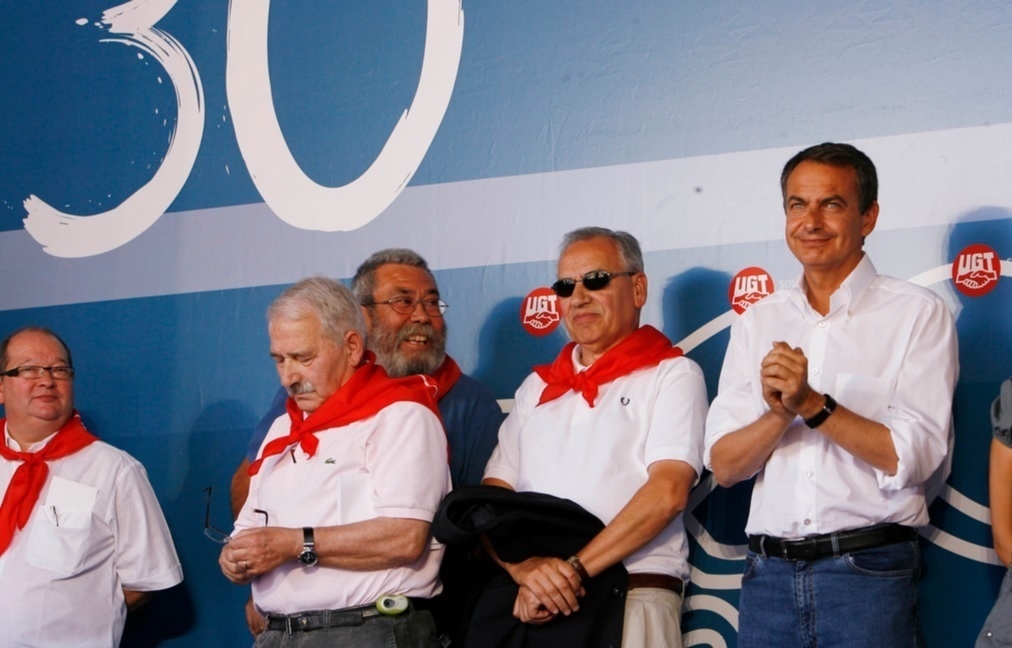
{"points": [[646, 347], [30, 477], [446, 377], [367, 392]]}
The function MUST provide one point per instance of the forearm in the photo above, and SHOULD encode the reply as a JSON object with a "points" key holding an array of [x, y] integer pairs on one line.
{"points": [[864, 438], [380, 543], [1000, 493], [650, 510], [742, 453]]}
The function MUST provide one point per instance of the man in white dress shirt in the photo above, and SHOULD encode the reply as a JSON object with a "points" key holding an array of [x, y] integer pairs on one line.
{"points": [[836, 395], [82, 537]]}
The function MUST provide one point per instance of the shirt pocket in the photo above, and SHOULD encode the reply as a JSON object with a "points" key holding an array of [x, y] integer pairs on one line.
{"points": [[868, 396], [355, 498], [62, 537], [60, 541]]}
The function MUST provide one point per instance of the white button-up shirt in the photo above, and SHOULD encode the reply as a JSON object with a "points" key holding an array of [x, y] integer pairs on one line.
{"points": [[886, 350]]}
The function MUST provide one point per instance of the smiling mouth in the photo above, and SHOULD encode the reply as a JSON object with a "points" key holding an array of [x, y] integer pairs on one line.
{"points": [[417, 340]]}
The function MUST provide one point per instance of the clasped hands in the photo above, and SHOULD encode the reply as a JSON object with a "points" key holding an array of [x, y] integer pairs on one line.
{"points": [[252, 552], [784, 379], [548, 587]]}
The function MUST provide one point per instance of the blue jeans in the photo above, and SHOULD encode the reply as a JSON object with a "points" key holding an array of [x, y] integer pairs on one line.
{"points": [[863, 599]]}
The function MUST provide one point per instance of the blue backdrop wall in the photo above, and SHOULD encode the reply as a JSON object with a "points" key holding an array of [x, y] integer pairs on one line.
{"points": [[168, 167]]}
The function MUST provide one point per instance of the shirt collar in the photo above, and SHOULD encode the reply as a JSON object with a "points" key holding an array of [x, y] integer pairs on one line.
{"points": [[35, 447], [849, 292]]}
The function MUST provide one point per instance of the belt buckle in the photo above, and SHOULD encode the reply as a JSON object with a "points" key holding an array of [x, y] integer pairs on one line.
{"points": [[288, 625], [804, 549]]}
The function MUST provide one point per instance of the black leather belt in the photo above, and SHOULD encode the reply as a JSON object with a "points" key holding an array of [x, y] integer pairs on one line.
{"points": [[830, 544], [659, 581], [321, 619]]}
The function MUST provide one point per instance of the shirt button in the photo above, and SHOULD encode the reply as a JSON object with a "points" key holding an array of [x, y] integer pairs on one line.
{"points": [[807, 521], [816, 371], [822, 324], [808, 473]]}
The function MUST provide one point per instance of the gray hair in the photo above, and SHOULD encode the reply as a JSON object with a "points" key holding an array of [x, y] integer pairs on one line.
{"points": [[364, 282], [329, 300], [31, 329], [628, 247]]}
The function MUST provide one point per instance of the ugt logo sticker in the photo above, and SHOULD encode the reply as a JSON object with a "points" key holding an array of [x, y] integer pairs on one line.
{"points": [[539, 312], [749, 286], [976, 269]]}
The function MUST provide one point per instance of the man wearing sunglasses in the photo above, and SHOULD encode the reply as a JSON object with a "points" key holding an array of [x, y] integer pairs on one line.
{"points": [[347, 481], [82, 537], [836, 395], [615, 424]]}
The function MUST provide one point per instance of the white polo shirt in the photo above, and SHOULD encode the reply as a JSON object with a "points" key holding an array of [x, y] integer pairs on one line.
{"points": [[598, 457], [393, 464]]}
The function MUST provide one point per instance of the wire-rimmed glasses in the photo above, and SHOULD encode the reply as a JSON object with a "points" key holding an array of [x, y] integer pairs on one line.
{"points": [[214, 533]]}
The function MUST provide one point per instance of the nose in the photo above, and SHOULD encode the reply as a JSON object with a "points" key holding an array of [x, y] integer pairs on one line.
{"points": [[288, 373], [812, 218], [579, 295], [419, 314], [46, 376]]}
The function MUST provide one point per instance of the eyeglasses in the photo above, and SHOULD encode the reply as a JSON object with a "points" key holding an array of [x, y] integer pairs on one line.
{"points": [[595, 280], [433, 307], [33, 372], [214, 533]]}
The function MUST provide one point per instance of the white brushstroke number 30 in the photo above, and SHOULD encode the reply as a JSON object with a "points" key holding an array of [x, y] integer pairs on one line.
{"points": [[290, 194]]}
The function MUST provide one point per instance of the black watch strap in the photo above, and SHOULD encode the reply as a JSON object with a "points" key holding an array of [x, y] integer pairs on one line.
{"points": [[308, 557], [823, 414]]}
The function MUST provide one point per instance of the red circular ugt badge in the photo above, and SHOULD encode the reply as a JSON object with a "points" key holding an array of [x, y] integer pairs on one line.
{"points": [[539, 312], [749, 286], [976, 270]]}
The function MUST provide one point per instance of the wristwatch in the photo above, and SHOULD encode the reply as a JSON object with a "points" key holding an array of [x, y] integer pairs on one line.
{"points": [[823, 413], [308, 557]]}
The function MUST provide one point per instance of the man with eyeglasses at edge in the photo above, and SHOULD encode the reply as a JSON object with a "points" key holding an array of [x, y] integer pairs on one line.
{"points": [[349, 479], [615, 424], [407, 332], [836, 395], [82, 537]]}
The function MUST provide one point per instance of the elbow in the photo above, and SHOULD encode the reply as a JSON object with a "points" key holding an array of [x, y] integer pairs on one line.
{"points": [[724, 479], [723, 472], [409, 548], [1003, 549]]}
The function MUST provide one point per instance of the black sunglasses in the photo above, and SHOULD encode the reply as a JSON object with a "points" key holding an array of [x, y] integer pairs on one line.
{"points": [[596, 280]]}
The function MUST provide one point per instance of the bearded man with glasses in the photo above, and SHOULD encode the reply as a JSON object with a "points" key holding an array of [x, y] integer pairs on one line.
{"points": [[79, 522], [615, 424]]}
